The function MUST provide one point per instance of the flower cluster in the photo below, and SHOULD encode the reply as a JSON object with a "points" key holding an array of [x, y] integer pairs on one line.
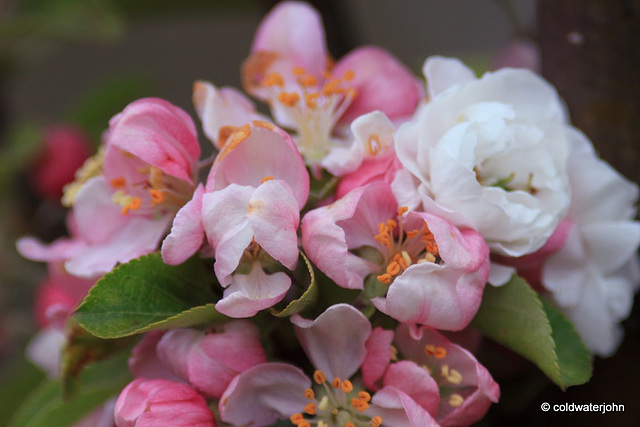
{"points": [[411, 197]]}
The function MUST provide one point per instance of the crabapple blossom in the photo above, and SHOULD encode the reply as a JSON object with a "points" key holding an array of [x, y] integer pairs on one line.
{"points": [[131, 187], [435, 272], [289, 67], [488, 153], [464, 388], [335, 344], [593, 276], [155, 403], [249, 210]]}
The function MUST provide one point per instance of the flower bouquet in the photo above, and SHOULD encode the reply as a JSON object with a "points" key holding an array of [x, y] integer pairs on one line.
{"points": [[338, 262]]}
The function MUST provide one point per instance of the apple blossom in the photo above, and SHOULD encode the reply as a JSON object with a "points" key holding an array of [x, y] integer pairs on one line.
{"points": [[335, 344], [435, 272], [249, 210], [289, 67], [155, 403], [417, 365], [133, 186], [593, 276], [489, 154]]}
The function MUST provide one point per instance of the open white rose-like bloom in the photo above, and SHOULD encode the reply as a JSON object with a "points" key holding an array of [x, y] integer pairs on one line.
{"points": [[488, 153]]}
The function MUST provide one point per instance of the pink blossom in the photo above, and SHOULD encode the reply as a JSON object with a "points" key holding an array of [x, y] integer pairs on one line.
{"points": [[250, 207], [289, 67], [466, 389], [133, 187], [335, 344], [436, 272], [65, 149], [209, 360], [155, 403]]}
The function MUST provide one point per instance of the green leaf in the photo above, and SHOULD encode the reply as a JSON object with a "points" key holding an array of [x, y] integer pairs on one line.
{"points": [[573, 357], [45, 406], [18, 378], [146, 294], [308, 298], [514, 316]]}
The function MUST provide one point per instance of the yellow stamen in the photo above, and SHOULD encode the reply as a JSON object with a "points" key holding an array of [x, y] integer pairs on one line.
{"points": [[455, 400]]}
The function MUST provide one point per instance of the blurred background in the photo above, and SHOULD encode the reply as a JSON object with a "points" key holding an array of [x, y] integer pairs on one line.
{"points": [[69, 65]]}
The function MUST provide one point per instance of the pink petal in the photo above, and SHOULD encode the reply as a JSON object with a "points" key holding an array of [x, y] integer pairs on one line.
{"points": [[144, 361], [377, 359], [222, 107], [264, 394], [258, 152], [294, 31], [335, 341], [155, 403], [187, 232], [398, 409], [274, 217], [158, 133], [382, 83], [226, 226], [416, 382], [248, 294]]}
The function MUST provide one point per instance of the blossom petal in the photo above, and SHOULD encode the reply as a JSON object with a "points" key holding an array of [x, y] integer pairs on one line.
{"points": [[187, 232], [377, 358], [160, 134], [416, 382], [220, 107], [264, 394], [442, 73], [398, 409], [335, 341], [382, 83], [249, 293]]}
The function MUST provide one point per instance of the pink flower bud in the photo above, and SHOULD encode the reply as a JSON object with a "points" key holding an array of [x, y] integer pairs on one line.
{"points": [[155, 403], [65, 150]]}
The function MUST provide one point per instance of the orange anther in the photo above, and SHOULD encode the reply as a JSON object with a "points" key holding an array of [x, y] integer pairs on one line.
{"points": [[310, 409], [402, 210], [319, 376], [157, 196], [412, 233], [374, 145], [308, 80], [119, 182], [440, 353], [325, 74], [273, 79], [296, 418], [349, 424], [376, 421], [346, 386], [265, 179], [348, 75], [309, 394], [288, 98], [384, 278], [363, 395], [393, 268], [336, 382], [310, 99], [298, 71]]}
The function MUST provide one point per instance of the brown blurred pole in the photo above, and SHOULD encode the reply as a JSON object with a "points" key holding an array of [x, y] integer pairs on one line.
{"points": [[591, 53]]}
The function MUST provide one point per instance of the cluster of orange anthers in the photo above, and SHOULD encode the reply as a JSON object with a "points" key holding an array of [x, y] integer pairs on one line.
{"points": [[155, 185], [331, 404], [400, 244], [309, 88]]}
